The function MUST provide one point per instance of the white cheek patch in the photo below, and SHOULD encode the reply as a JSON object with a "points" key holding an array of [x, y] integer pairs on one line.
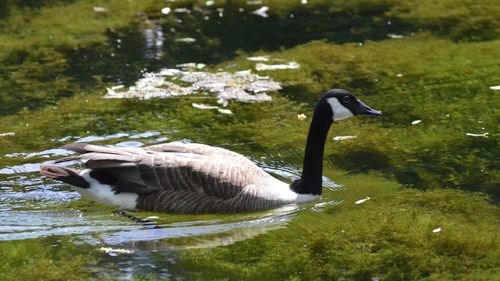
{"points": [[339, 111]]}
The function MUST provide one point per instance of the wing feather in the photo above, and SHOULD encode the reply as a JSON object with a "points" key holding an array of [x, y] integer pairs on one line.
{"points": [[190, 171]]}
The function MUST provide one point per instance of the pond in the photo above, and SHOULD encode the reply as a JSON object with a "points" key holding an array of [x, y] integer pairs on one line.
{"points": [[409, 196]]}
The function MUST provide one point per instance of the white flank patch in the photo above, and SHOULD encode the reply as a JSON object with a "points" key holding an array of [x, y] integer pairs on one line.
{"points": [[104, 194], [341, 138], [436, 230], [361, 201], [339, 111]]}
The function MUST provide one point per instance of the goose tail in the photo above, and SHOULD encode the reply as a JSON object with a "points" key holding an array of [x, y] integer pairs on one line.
{"points": [[64, 174]]}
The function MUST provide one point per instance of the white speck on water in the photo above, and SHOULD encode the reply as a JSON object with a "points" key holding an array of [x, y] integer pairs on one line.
{"points": [[111, 91], [203, 106], [258, 58], [290, 65], [189, 65], [436, 230], [399, 75], [361, 201], [210, 3], [261, 12], [483, 135], [301, 117], [182, 10], [98, 9], [395, 36], [303, 2], [166, 10], [117, 87], [341, 138], [7, 134], [115, 251], [225, 111], [320, 206], [415, 122], [152, 218], [254, 2], [495, 88], [187, 40]]}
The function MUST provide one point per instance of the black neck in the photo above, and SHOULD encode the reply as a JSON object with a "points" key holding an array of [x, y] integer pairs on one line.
{"points": [[311, 181]]}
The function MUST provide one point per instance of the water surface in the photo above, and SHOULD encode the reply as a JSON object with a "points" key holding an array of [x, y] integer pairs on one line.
{"points": [[428, 168]]}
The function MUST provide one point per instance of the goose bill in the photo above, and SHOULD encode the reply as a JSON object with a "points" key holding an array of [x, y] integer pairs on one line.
{"points": [[366, 110]]}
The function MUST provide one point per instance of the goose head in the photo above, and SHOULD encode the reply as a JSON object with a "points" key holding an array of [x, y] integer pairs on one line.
{"points": [[344, 104], [334, 105]]}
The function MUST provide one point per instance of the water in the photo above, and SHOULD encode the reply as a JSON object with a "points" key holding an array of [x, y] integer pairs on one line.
{"points": [[440, 172]]}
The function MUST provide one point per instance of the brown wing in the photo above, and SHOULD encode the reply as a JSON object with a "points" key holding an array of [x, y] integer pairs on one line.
{"points": [[197, 148], [221, 175]]}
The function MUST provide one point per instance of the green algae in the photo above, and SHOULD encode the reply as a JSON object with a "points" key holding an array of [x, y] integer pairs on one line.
{"points": [[45, 259], [57, 60], [390, 238]]}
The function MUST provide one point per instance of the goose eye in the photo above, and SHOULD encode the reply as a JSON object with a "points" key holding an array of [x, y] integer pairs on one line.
{"points": [[346, 99]]}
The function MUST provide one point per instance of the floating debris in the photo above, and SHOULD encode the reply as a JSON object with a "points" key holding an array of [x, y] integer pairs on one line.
{"points": [[192, 65], [261, 12], [117, 87], [187, 40], [301, 117], [361, 201], [395, 36], [318, 207], [483, 135], [436, 230], [151, 218], [399, 75], [166, 10], [243, 86], [258, 58], [303, 2], [415, 122], [114, 252], [204, 106], [210, 3], [341, 138], [495, 88], [290, 65], [254, 2], [98, 9], [224, 111], [182, 10], [7, 134]]}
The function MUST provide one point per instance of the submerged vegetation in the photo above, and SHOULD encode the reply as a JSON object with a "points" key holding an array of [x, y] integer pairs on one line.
{"points": [[430, 165]]}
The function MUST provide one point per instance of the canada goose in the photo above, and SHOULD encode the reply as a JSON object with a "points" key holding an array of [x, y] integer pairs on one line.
{"points": [[197, 178]]}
